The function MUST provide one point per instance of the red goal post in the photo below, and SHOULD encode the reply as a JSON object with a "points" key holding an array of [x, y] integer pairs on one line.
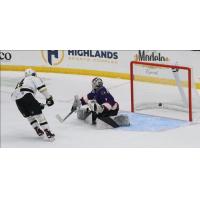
{"points": [[189, 77]]}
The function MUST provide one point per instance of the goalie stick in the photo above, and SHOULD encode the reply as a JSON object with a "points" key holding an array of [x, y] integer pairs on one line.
{"points": [[106, 120], [60, 119], [109, 121]]}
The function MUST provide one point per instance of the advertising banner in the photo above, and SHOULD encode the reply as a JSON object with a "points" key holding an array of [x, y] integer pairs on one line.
{"points": [[96, 62]]}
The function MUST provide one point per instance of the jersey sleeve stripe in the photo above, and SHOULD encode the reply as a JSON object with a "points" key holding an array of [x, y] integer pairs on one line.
{"points": [[39, 88], [26, 90]]}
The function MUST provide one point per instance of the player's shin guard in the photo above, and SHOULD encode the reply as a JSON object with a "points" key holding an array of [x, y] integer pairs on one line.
{"points": [[34, 123], [45, 126], [42, 121]]}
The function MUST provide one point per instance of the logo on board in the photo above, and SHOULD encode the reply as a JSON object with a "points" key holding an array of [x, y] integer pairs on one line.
{"points": [[53, 57], [154, 56], [5, 56]]}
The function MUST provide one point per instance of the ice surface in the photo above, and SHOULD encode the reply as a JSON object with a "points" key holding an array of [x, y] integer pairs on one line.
{"points": [[16, 131], [143, 122]]}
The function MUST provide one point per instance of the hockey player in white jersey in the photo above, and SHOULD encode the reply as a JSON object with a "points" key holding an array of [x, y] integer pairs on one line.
{"points": [[30, 108]]}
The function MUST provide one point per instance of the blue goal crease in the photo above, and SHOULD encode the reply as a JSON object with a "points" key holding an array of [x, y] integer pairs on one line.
{"points": [[142, 123]]}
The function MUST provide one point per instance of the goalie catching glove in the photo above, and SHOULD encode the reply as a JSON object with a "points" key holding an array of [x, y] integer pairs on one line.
{"points": [[95, 107], [76, 103]]}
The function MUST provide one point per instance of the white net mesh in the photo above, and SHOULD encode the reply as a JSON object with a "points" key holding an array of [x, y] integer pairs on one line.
{"points": [[170, 94]]}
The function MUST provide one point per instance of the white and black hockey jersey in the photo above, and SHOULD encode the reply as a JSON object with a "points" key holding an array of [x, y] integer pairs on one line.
{"points": [[28, 84]]}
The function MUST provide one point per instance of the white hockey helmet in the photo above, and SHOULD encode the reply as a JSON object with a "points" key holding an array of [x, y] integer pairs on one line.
{"points": [[30, 72], [97, 83]]}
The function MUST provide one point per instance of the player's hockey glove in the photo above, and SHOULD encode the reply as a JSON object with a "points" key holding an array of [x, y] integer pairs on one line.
{"points": [[50, 101]]}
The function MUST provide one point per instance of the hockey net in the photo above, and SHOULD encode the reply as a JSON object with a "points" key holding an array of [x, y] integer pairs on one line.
{"points": [[174, 96]]}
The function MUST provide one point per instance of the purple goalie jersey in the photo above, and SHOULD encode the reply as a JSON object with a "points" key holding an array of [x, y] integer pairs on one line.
{"points": [[102, 96]]}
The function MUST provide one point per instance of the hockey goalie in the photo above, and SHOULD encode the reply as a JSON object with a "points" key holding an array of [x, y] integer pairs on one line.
{"points": [[100, 104]]}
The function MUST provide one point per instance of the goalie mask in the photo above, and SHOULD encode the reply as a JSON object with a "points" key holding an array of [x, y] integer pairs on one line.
{"points": [[97, 83], [30, 72]]}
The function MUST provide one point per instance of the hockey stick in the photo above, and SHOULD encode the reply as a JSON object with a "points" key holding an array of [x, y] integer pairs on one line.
{"points": [[59, 118], [106, 120], [109, 121]]}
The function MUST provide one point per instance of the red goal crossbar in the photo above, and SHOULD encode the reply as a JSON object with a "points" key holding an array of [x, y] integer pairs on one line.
{"points": [[188, 69]]}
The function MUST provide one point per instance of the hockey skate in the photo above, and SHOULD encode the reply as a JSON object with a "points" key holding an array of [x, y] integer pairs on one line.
{"points": [[39, 132], [50, 136]]}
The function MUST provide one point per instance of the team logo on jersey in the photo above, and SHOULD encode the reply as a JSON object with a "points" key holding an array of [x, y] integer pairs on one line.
{"points": [[53, 57]]}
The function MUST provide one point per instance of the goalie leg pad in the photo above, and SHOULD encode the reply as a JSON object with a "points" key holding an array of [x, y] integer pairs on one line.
{"points": [[83, 113], [122, 120]]}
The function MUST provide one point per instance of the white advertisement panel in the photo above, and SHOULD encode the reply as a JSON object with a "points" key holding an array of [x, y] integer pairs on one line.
{"points": [[109, 61]]}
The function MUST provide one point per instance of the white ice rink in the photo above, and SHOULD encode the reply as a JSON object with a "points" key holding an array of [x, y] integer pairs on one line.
{"points": [[16, 131]]}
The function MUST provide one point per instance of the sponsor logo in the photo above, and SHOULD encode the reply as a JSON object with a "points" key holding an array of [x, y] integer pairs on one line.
{"points": [[56, 57], [110, 57], [150, 56], [151, 72], [5, 56], [94, 54], [53, 57]]}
